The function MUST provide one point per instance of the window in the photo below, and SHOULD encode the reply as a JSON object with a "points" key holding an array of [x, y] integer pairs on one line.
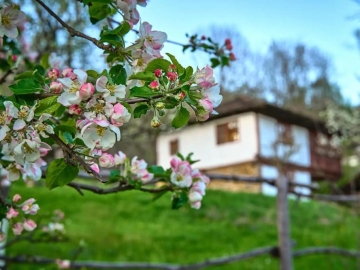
{"points": [[285, 135], [174, 147], [227, 132]]}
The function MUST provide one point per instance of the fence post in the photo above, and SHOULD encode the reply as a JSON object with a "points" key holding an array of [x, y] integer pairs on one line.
{"points": [[283, 222]]}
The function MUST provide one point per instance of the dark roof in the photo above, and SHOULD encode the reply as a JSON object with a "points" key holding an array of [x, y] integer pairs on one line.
{"points": [[245, 104]]}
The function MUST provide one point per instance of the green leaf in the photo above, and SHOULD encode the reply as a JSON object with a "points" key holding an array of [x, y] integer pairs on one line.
{"points": [[181, 118], [214, 62], [24, 75], [3, 210], [4, 65], [118, 74], [112, 39], [64, 128], [60, 173], [187, 75], [143, 91], [26, 86], [158, 171], [99, 11], [158, 64], [68, 137], [140, 110], [97, 1], [144, 76], [114, 176], [44, 61], [47, 105], [180, 200], [180, 68], [92, 73], [158, 195]]}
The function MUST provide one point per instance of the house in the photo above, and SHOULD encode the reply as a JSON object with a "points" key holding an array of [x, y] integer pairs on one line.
{"points": [[254, 138]]}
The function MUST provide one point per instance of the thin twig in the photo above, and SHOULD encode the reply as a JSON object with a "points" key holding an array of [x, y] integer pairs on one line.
{"points": [[74, 32], [3, 78]]}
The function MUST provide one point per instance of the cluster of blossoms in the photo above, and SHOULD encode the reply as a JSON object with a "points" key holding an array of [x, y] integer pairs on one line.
{"points": [[184, 176], [17, 215], [147, 47], [210, 91], [136, 169], [21, 145]]}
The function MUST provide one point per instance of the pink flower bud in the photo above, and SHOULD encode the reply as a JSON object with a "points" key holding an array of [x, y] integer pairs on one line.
{"points": [[154, 85], [14, 57], [75, 109], [16, 198], [227, 41], [106, 160], [53, 73], [172, 76], [29, 225], [158, 73], [232, 57], [203, 37], [12, 213], [172, 66], [95, 167], [69, 73], [229, 47], [181, 96], [56, 87], [86, 91], [18, 228], [44, 152]]}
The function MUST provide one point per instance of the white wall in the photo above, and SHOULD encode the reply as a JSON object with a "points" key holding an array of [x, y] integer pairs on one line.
{"points": [[271, 172], [268, 129], [201, 140]]}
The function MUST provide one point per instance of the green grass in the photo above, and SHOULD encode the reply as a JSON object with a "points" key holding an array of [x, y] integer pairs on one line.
{"points": [[129, 227]]}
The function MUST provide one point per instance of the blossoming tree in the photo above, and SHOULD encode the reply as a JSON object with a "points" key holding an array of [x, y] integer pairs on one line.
{"points": [[82, 111]]}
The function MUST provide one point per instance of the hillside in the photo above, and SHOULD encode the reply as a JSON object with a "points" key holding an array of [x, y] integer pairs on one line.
{"points": [[130, 227]]}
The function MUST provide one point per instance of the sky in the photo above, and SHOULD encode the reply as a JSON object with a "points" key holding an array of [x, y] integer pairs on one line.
{"points": [[326, 24]]}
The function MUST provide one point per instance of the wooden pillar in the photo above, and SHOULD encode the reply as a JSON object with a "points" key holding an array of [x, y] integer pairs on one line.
{"points": [[283, 223]]}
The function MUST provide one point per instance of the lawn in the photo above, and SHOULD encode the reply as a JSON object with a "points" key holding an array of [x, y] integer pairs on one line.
{"points": [[130, 227]]}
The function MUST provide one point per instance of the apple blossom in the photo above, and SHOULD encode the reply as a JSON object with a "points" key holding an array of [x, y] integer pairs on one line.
{"points": [[181, 173], [12, 213], [138, 167], [29, 207], [71, 94], [153, 40], [120, 116], [29, 225], [205, 77], [18, 228], [95, 167], [10, 18], [63, 264], [111, 92], [119, 158]]}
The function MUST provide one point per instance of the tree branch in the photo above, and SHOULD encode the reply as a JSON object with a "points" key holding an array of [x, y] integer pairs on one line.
{"points": [[327, 250], [67, 150], [120, 188], [74, 32]]}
